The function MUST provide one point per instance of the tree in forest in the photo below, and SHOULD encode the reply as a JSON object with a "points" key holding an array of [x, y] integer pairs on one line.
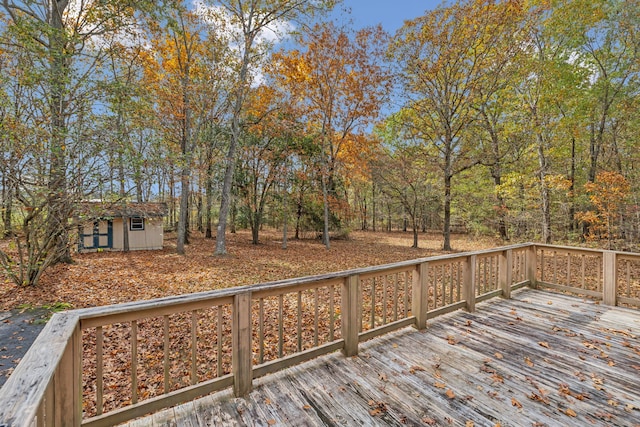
{"points": [[493, 100], [62, 41], [249, 20], [608, 195], [403, 173], [340, 83], [443, 57], [180, 48], [263, 155]]}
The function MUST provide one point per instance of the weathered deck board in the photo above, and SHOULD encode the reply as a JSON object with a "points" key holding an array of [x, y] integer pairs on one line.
{"points": [[537, 359]]}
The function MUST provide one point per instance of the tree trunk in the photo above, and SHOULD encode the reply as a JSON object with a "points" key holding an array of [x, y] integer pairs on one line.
{"points": [[7, 203], [572, 187], [446, 230], [230, 159], [544, 192], [209, 199], [58, 197], [185, 181], [285, 215], [373, 206], [325, 201]]}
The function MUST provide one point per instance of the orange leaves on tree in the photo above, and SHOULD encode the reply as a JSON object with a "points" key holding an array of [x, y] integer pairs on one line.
{"points": [[607, 194]]}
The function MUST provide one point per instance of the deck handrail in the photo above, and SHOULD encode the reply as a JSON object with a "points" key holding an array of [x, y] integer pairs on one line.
{"points": [[46, 388]]}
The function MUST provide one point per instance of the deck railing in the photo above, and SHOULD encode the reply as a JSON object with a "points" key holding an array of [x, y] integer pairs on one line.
{"points": [[106, 365]]}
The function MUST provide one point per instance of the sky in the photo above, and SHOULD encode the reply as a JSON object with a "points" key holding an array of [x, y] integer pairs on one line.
{"points": [[390, 13]]}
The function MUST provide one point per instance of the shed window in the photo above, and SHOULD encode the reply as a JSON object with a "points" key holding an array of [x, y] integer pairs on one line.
{"points": [[136, 224]]}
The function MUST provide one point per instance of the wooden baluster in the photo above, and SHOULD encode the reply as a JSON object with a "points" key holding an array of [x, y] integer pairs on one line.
{"points": [[261, 331], [373, 303], [384, 299], [406, 294], [485, 284], [315, 318], [194, 347], [568, 269], [99, 370], [555, 267], [628, 265], [443, 286], [331, 313], [451, 283], [166, 354], [599, 280], [459, 281], [395, 297], [280, 326], [299, 329], [542, 264], [531, 266], [134, 361], [219, 340]]}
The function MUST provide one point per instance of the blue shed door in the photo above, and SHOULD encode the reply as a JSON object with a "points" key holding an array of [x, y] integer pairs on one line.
{"points": [[98, 236]]}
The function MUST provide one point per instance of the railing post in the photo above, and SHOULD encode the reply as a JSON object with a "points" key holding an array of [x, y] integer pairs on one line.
{"points": [[469, 283], [420, 297], [350, 325], [67, 380], [242, 358], [610, 279], [532, 266], [505, 269]]}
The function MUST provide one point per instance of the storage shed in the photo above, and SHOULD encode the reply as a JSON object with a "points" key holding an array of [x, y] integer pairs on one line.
{"points": [[116, 226]]}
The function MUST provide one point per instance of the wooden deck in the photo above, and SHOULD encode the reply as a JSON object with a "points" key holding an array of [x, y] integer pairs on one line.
{"points": [[539, 359]]}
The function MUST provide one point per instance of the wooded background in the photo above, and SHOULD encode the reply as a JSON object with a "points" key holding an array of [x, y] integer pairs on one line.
{"points": [[509, 118]]}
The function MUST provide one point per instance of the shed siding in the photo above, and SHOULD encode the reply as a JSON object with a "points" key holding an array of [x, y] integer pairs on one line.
{"points": [[149, 238]]}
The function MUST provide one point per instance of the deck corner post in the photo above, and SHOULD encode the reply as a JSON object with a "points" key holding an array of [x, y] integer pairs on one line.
{"points": [[609, 278], [532, 266], [505, 268], [242, 358], [68, 382], [419, 299], [469, 282], [350, 320]]}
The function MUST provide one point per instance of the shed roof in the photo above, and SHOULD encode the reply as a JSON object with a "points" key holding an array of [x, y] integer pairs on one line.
{"points": [[103, 209]]}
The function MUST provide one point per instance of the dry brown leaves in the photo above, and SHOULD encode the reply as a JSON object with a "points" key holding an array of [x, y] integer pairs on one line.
{"points": [[114, 277]]}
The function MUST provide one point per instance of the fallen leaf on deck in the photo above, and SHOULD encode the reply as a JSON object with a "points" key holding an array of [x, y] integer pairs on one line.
{"points": [[571, 413], [450, 394], [514, 402], [498, 355], [440, 385], [544, 344], [415, 368], [528, 362]]}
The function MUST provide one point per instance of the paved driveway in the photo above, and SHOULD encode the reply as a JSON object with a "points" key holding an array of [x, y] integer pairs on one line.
{"points": [[18, 330]]}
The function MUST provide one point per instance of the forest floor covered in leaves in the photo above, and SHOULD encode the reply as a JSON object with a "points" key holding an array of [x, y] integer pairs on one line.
{"points": [[104, 278]]}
